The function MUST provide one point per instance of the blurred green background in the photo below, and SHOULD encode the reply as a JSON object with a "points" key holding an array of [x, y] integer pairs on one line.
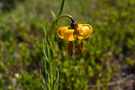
{"points": [[109, 53]]}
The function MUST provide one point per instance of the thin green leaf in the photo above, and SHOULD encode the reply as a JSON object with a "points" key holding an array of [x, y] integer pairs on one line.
{"points": [[56, 86], [61, 8], [43, 82], [46, 57], [53, 15], [51, 54], [57, 77], [45, 31], [46, 73], [54, 68], [60, 88], [44, 87], [53, 37], [48, 42], [56, 82], [47, 52], [53, 27]]}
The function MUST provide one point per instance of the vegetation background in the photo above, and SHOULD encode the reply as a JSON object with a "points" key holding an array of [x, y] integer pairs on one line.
{"points": [[108, 60]]}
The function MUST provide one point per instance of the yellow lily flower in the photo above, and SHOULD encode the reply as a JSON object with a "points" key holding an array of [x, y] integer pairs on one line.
{"points": [[68, 34], [83, 30]]}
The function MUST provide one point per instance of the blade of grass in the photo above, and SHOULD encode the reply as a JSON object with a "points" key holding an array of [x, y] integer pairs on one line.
{"points": [[46, 57], [53, 15], [61, 8], [45, 29]]}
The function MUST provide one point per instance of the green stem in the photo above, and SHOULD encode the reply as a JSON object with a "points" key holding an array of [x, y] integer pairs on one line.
{"points": [[65, 15], [59, 17], [54, 25]]}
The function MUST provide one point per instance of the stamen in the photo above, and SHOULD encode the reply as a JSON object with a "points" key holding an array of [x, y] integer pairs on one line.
{"points": [[71, 48], [82, 46], [78, 49], [68, 47]]}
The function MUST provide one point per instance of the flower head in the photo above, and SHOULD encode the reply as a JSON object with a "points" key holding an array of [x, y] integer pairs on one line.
{"points": [[75, 32], [68, 34]]}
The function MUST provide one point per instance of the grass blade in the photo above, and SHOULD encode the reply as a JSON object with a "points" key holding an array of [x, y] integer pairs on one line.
{"points": [[61, 8], [45, 53], [53, 15]]}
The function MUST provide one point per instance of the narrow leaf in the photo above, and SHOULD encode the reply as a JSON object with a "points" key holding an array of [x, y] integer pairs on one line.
{"points": [[48, 42], [53, 15], [53, 38], [46, 57], [57, 77], [45, 31], [47, 52], [51, 54], [61, 8], [54, 68]]}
